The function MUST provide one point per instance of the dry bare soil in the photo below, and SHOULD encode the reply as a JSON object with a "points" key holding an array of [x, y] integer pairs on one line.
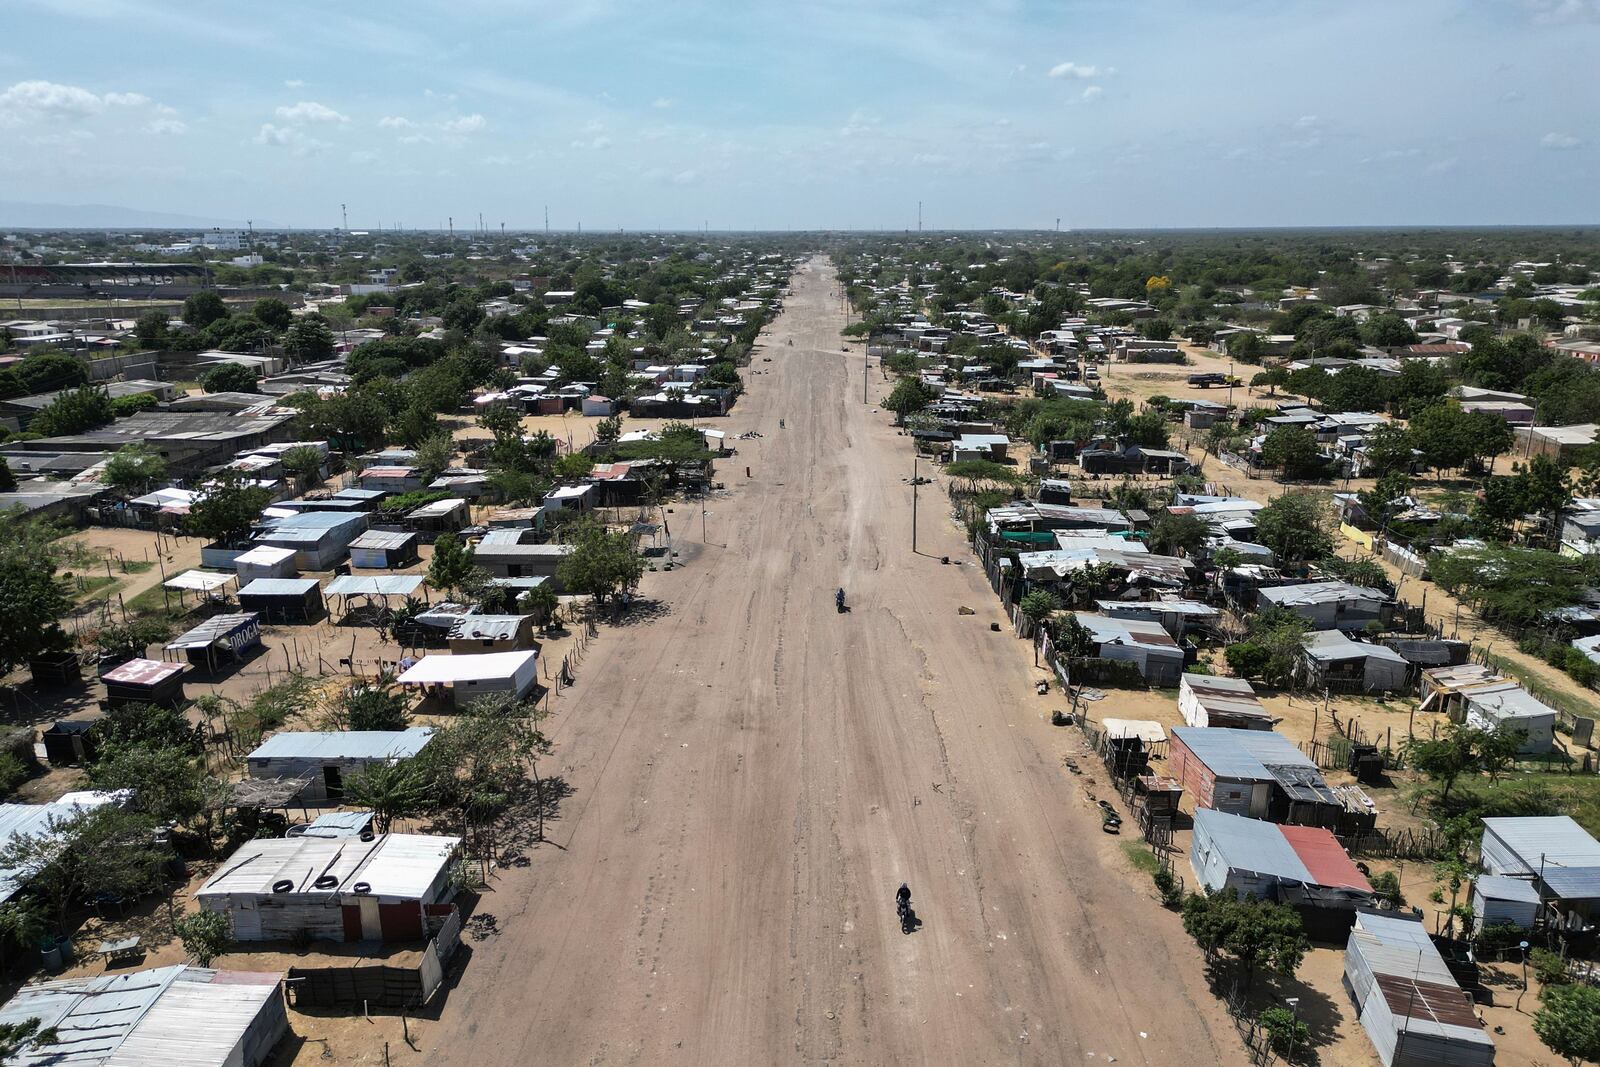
{"points": [[754, 775]]}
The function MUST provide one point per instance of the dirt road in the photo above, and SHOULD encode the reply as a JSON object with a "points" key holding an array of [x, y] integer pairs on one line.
{"points": [[754, 774]]}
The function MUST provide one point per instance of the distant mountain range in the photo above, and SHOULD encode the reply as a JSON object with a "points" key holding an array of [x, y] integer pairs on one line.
{"points": [[17, 214]]}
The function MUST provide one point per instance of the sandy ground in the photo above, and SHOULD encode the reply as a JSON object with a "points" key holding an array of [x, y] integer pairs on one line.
{"points": [[754, 774]]}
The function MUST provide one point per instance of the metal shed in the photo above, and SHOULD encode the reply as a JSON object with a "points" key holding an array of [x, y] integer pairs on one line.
{"points": [[167, 1015], [1227, 703], [283, 599], [324, 760], [1499, 900], [383, 550], [1556, 855], [1258, 773], [492, 633], [145, 681], [333, 889], [1300, 865], [1410, 1005], [219, 638], [467, 676], [265, 561]]}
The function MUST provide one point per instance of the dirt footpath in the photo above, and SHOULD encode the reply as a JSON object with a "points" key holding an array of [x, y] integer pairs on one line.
{"points": [[754, 774]]}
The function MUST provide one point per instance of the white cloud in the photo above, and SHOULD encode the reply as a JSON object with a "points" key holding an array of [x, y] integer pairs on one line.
{"points": [[47, 100], [1559, 142], [166, 127], [270, 134], [125, 99], [1092, 93], [310, 111], [1307, 122], [395, 122], [1564, 11], [860, 122], [290, 137], [466, 124], [294, 83], [1081, 71], [597, 144], [661, 103]]}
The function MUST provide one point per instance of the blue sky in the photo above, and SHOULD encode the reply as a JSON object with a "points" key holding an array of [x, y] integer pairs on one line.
{"points": [[810, 113]]}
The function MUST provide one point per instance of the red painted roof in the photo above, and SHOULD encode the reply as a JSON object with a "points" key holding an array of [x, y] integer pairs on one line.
{"points": [[1320, 851]]}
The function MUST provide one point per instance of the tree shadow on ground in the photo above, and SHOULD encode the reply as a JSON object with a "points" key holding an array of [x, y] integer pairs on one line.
{"points": [[641, 610]]}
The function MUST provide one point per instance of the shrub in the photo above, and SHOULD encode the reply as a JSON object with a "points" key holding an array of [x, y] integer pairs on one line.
{"points": [[1167, 885], [1549, 967], [1386, 884], [1287, 1032], [205, 935]]}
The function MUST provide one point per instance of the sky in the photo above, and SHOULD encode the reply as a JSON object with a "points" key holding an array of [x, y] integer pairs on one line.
{"points": [[808, 114]]}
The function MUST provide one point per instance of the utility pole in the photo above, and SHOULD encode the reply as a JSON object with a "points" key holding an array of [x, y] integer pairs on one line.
{"points": [[452, 223], [547, 220], [919, 216], [914, 480], [344, 215]]}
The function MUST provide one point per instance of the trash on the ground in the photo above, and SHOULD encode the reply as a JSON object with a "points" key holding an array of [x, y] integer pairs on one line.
{"points": [[964, 610]]}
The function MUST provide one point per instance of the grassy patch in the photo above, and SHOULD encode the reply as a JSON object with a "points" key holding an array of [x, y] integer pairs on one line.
{"points": [[90, 590], [1577, 795], [137, 566], [1141, 857]]}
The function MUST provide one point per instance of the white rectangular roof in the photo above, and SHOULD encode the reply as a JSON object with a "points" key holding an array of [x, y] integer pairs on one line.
{"points": [[399, 866], [445, 670]]}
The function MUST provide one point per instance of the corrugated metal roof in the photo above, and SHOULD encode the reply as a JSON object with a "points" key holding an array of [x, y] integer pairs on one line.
{"points": [[1106, 630], [382, 539], [488, 627], [1557, 839], [395, 865], [151, 1018], [1321, 593], [19, 819], [198, 1020], [1503, 887], [265, 555], [1324, 857], [1251, 845], [144, 672], [347, 744], [297, 587], [1242, 754], [374, 585], [214, 629], [204, 581]]}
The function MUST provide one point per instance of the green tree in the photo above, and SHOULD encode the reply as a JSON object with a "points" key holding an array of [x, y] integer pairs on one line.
{"points": [[573, 467], [151, 329], [272, 312], [1037, 606], [87, 407], [169, 781], [608, 430], [205, 935], [908, 397], [1293, 450], [134, 469], [229, 505], [1179, 534], [103, 850], [1568, 1022], [601, 564], [391, 791], [1296, 527], [309, 339], [1459, 750], [33, 602], [1387, 330], [434, 455], [1254, 933], [8, 481], [451, 568], [543, 601], [229, 378], [1387, 449], [369, 707], [202, 309], [305, 463]]}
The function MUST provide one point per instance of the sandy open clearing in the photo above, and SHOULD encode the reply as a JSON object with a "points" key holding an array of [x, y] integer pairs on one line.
{"points": [[754, 774]]}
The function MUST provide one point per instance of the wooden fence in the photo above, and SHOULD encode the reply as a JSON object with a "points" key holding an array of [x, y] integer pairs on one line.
{"points": [[379, 985]]}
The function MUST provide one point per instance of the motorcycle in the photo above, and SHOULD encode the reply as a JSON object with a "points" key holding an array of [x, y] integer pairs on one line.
{"points": [[838, 602], [902, 907]]}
